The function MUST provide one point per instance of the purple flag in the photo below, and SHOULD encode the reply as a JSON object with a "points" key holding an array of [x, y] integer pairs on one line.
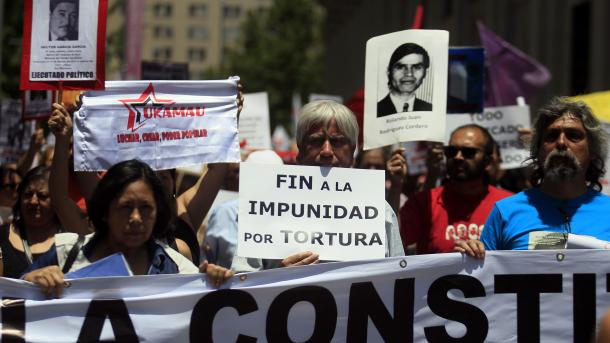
{"points": [[510, 72]]}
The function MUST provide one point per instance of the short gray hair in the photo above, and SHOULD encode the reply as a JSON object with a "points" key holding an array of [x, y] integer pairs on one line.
{"points": [[320, 113]]}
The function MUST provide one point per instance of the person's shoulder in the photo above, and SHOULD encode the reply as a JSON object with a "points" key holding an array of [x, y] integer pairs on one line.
{"points": [[599, 196], [499, 193], [426, 194], [231, 204], [517, 198]]}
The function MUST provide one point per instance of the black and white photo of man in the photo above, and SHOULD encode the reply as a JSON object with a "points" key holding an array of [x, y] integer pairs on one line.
{"points": [[63, 20], [407, 69]]}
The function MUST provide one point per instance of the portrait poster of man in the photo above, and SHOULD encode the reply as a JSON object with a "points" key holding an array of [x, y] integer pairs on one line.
{"points": [[63, 44], [63, 20], [36, 104], [405, 87]]}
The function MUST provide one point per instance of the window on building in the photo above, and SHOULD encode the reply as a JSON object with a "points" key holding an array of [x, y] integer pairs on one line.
{"points": [[162, 53], [197, 54], [231, 34], [198, 10], [162, 10], [198, 32], [163, 31], [231, 11]]}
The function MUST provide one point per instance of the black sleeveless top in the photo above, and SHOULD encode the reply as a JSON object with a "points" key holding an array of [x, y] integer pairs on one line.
{"points": [[15, 262], [183, 231]]}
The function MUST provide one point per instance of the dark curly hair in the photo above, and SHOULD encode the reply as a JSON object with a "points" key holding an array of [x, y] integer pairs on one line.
{"points": [[114, 182], [596, 137]]}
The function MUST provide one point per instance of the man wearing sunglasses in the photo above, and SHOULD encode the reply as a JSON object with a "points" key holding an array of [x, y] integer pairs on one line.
{"points": [[434, 219], [407, 70], [567, 151]]}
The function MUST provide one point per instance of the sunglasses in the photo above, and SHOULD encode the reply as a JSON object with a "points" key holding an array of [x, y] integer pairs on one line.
{"points": [[467, 152]]}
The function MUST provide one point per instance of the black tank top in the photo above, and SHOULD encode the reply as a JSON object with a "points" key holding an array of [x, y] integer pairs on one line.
{"points": [[15, 262]]}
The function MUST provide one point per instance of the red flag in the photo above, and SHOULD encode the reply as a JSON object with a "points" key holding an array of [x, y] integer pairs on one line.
{"points": [[419, 17], [510, 72]]}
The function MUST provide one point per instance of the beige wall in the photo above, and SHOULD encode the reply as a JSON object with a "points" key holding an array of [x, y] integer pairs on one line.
{"points": [[221, 25]]}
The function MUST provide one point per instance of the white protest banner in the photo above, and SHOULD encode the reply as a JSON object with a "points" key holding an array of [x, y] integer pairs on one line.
{"points": [[338, 213], [63, 41], [503, 124], [166, 124], [254, 130], [405, 87], [524, 296], [315, 97]]}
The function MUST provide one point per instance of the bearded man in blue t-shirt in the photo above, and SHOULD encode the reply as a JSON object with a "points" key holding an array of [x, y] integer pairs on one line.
{"points": [[568, 151]]}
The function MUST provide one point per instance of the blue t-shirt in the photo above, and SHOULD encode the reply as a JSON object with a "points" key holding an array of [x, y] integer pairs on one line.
{"points": [[533, 220]]}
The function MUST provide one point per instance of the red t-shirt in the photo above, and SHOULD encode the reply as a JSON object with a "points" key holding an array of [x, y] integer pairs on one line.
{"points": [[435, 218]]}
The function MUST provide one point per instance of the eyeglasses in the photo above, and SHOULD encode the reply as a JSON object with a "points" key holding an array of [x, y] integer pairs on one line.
{"points": [[467, 152]]}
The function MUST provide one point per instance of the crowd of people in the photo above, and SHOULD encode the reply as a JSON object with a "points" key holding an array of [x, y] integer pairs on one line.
{"points": [[458, 205]]}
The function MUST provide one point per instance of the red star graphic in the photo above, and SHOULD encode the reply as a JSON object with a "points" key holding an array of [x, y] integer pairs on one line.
{"points": [[148, 96]]}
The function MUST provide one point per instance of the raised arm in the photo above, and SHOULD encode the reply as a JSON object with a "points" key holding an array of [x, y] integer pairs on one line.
{"points": [[71, 217], [195, 202], [36, 142], [193, 205], [397, 169]]}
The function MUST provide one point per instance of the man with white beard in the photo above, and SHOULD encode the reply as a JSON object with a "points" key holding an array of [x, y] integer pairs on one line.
{"points": [[568, 151]]}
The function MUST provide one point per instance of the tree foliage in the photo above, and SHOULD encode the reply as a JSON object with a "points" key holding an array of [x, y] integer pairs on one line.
{"points": [[280, 52], [12, 27]]}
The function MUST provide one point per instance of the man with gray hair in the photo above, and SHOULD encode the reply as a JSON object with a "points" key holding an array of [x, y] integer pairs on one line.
{"points": [[568, 151], [327, 136]]}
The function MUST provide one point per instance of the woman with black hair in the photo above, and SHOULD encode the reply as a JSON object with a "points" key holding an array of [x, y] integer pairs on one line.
{"points": [[130, 213], [34, 224]]}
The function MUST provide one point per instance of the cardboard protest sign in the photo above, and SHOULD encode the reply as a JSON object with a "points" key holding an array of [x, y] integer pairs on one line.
{"points": [[315, 96], [599, 103], [405, 87], [338, 213], [36, 104], [254, 130], [503, 124], [465, 81], [167, 124], [63, 44], [15, 134]]}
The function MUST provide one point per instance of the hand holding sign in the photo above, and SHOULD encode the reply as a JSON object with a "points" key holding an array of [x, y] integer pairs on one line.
{"points": [[50, 280], [60, 122], [217, 275], [472, 247], [301, 259], [397, 165]]}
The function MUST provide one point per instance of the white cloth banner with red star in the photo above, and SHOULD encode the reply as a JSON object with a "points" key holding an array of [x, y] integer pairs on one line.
{"points": [[167, 124]]}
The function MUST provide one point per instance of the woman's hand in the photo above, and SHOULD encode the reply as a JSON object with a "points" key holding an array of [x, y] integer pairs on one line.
{"points": [[50, 280], [217, 275]]}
